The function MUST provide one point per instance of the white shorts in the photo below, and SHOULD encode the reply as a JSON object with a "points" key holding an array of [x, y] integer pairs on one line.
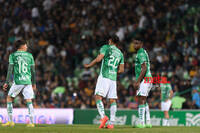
{"points": [[106, 88], [27, 91], [144, 89], [165, 106]]}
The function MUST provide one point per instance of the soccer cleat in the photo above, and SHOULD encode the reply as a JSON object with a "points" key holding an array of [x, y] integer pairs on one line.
{"points": [[11, 124], [140, 126], [148, 126], [103, 121], [110, 126], [30, 125]]}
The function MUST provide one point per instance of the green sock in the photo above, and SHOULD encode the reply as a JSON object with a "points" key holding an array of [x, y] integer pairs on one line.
{"points": [[141, 113], [9, 110], [100, 108], [30, 111]]}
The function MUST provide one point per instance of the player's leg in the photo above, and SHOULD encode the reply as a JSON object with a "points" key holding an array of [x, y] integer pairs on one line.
{"points": [[165, 106], [112, 96], [13, 92], [141, 111], [142, 94], [166, 119], [100, 106], [100, 92], [148, 119], [9, 100], [30, 112], [113, 110], [28, 96]]}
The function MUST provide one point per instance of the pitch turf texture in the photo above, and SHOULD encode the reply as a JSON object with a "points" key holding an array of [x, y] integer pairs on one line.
{"points": [[42, 128]]}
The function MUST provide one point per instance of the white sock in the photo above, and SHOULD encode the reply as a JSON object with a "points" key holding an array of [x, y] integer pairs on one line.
{"points": [[113, 110], [9, 110], [168, 122], [148, 119], [100, 108], [141, 113], [164, 123], [30, 111]]}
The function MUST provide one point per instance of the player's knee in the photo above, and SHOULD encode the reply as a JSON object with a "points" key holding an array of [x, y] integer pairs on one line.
{"points": [[97, 97], [28, 100], [112, 101], [9, 99], [142, 100]]}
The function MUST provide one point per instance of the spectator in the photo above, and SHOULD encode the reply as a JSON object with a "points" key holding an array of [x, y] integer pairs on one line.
{"points": [[66, 34], [196, 98]]}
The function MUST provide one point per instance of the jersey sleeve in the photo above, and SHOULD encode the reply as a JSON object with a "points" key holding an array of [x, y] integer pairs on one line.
{"points": [[103, 49], [122, 59], [11, 59], [142, 58]]}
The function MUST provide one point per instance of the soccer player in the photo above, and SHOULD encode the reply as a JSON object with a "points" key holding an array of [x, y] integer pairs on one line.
{"points": [[21, 64], [112, 59], [142, 69], [166, 96]]}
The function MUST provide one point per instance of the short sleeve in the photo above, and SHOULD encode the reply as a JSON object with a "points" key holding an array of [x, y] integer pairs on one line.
{"points": [[122, 59], [142, 58], [103, 49], [32, 60], [11, 59]]}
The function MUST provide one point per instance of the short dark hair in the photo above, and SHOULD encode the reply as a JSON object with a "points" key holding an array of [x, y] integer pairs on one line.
{"points": [[114, 38], [19, 43], [139, 39]]}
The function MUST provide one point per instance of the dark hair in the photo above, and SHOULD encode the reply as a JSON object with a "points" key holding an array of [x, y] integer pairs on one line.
{"points": [[19, 43], [114, 38], [139, 38]]}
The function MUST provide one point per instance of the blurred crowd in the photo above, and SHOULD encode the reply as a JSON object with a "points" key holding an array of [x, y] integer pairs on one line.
{"points": [[65, 34]]}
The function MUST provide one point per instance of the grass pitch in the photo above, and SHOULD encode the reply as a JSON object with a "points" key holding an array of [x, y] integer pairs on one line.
{"points": [[43, 128]]}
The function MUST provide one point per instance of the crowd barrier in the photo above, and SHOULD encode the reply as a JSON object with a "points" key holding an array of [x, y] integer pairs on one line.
{"points": [[130, 117], [91, 116]]}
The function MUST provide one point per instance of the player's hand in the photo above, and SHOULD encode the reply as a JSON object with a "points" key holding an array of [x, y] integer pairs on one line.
{"points": [[86, 65], [5, 86], [136, 85], [34, 87]]}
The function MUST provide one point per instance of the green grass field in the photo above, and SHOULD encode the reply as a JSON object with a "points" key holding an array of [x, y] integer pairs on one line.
{"points": [[21, 128]]}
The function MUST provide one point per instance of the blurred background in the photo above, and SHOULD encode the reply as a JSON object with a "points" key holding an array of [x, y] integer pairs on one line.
{"points": [[65, 34]]}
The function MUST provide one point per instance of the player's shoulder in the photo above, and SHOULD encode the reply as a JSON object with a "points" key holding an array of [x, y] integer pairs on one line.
{"points": [[120, 51], [141, 51], [11, 54], [105, 46], [29, 53]]}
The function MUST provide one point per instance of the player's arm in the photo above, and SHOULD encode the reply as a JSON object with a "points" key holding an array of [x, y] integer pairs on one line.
{"points": [[96, 60], [121, 68], [8, 77], [142, 74], [9, 73], [33, 73], [159, 88], [171, 94]]}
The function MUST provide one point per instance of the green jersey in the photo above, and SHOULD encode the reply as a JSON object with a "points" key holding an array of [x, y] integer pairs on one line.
{"points": [[113, 57], [22, 62], [165, 91], [142, 57]]}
